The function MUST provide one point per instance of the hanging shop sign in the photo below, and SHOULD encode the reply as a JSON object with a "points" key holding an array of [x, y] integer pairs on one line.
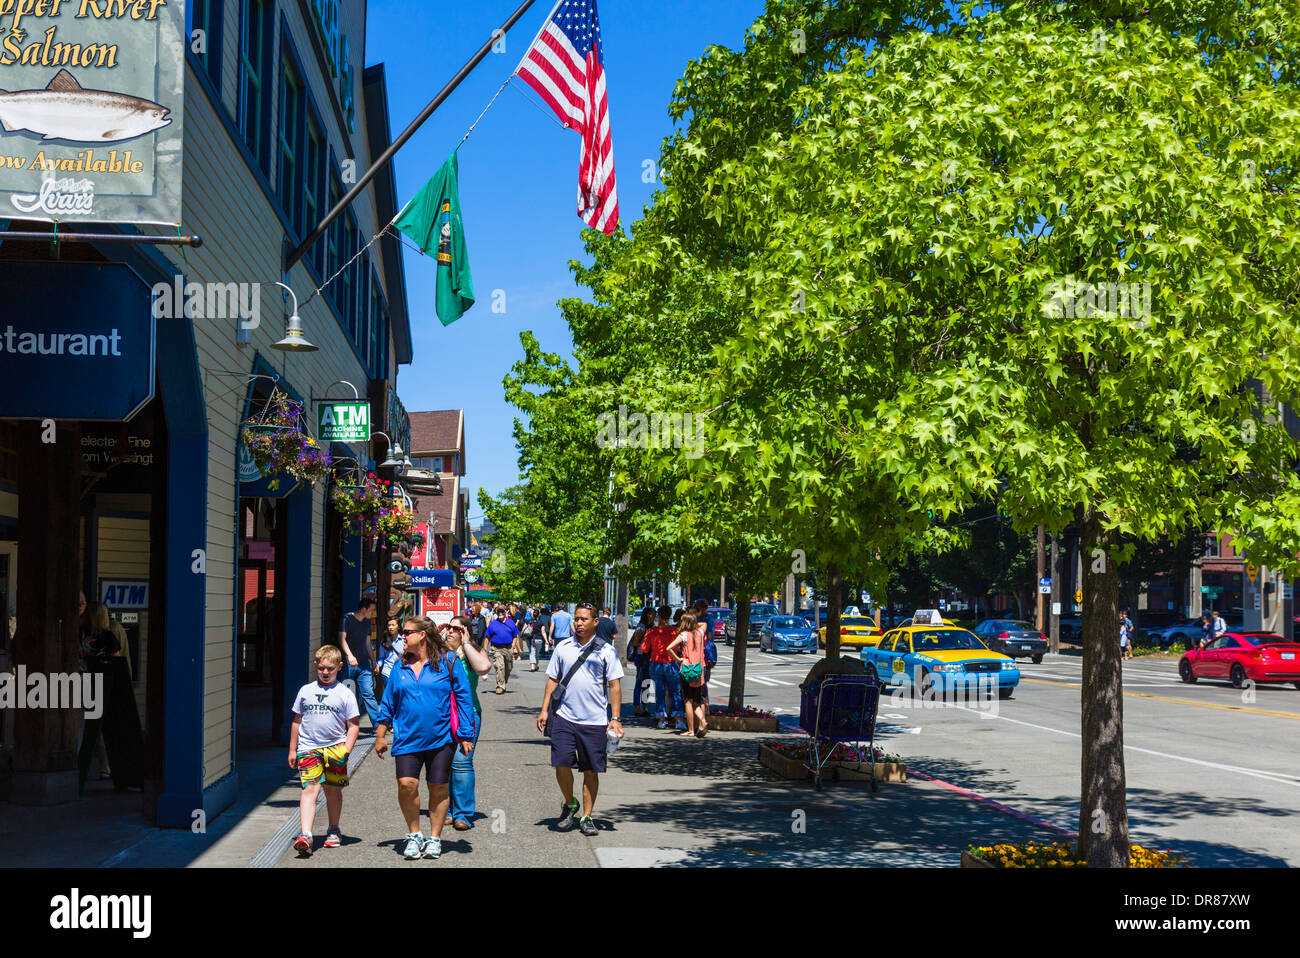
{"points": [[92, 110], [432, 578], [441, 605], [344, 422], [76, 340]]}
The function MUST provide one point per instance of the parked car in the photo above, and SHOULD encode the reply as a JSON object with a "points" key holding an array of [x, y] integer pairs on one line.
{"points": [[1238, 656], [854, 630], [940, 659], [787, 633], [1187, 633], [759, 612], [1013, 637]]}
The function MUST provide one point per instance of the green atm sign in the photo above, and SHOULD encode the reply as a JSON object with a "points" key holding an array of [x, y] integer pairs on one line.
{"points": [[344, 421]]}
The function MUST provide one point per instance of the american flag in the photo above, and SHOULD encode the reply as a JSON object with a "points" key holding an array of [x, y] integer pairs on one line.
{"points": [[565, 66]]}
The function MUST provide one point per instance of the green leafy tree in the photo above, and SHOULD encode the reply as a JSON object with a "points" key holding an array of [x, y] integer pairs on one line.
{"points": [[1062, 233]]}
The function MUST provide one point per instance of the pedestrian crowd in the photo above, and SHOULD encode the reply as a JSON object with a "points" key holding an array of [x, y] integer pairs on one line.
{"points": [[422, 690]]}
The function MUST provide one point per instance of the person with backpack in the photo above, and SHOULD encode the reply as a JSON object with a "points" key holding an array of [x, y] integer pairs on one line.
{"points": [[580, 714], [640, 658], [690, 662], [710, 649]]}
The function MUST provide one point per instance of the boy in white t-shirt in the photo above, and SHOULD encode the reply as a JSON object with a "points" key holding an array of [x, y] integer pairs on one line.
{"points": [[326, 722]]}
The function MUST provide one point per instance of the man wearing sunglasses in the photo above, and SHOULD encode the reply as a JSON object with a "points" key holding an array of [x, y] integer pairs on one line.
{"points": [[588, 715]]}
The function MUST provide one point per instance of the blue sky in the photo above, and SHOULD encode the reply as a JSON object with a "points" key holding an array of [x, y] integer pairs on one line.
{"points": [[518, 182]]}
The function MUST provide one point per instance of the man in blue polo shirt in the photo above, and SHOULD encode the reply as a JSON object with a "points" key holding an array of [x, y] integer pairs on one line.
{"points": [[587, 718], [501, 640]]}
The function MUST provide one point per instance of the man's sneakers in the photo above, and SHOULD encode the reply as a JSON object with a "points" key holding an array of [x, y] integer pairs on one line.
{"points": [[568, 813], [587, 826], [414, 846], [302, 845], [333, 839], [432, 847]]}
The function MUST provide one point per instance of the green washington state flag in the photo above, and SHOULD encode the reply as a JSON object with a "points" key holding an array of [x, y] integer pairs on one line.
{"points": [[433, 218]]}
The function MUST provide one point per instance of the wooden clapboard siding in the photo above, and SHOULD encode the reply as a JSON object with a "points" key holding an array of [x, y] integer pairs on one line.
{"points": [[224, 201], [123, 548]]}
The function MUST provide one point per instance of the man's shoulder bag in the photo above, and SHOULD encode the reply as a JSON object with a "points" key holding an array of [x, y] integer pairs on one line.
{"points": [[557, 696]]}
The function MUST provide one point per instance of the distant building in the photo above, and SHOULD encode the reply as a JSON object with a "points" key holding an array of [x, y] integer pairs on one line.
{"points": [[438, 444]]}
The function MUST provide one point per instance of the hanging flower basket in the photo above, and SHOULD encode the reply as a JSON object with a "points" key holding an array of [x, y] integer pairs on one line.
{"points": [[396, 525], [360, 505], [277, 442]]}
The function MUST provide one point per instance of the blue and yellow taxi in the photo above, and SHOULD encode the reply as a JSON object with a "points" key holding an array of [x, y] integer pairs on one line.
{"points": [[940, 659]]}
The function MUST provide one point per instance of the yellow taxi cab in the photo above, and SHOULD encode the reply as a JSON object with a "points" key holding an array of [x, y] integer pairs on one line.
{"points": [[854, 630], [932, 656]]}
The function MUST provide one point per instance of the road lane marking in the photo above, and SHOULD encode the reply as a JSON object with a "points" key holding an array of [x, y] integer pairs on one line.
{"points": [[1275, 777], [1162, 698]]}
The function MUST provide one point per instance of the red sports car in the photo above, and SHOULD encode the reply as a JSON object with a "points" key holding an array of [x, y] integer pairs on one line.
{"points": [[1238, 656]]}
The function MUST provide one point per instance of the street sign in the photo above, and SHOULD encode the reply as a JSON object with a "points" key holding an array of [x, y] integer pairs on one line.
{"points": [[1078, 596], [1212, 590], [344, 421], [1256, 595], [1286, 589], [1056, 608], [1252, 570], [1045, 585]]}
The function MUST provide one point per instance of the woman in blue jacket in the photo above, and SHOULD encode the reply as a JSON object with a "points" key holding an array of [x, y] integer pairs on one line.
{"points": [[418, 703]]}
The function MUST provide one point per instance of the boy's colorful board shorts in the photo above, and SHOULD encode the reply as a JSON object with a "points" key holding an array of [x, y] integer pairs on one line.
{"points": [[330, 762]]}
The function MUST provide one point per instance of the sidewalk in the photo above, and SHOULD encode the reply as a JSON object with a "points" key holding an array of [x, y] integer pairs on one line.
{"points": [[664, 801]]}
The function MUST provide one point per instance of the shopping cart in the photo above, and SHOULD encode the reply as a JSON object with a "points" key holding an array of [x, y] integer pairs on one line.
{"points": [[840, 709]]}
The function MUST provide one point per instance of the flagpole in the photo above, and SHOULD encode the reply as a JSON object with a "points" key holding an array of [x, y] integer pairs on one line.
{"points": [[397, 144]]}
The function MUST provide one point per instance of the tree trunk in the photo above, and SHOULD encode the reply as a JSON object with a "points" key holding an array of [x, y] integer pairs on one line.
{"points": [[736, 698], [1103, 813], [834, 603]]}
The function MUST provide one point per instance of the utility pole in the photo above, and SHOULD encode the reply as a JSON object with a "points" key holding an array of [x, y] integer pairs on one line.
{"points": [[1041, 560], [1054, 644], [722, 591]]}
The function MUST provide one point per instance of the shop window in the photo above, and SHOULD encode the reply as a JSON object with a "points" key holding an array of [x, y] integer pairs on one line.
{"points": [[207, 16], [255, 81], [291, 134], [313, 185]]}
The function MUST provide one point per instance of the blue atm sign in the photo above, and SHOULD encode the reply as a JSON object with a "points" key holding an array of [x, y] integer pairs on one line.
{"points": [[124, 593]]}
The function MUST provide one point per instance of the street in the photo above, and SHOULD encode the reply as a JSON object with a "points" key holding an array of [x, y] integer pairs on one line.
{"points": [[1207, 775]]}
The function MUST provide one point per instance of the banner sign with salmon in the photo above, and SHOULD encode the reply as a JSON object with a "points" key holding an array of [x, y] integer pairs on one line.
{"points": [[92, 101]]}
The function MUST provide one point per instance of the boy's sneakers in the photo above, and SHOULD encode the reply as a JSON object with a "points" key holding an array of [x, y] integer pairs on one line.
{"points": [[432, 847], [333, 839], [568, 812], [587, 826], [302, 845], [414, 846]]}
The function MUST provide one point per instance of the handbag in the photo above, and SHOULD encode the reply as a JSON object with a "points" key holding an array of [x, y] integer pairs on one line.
{"points": [[690, 674], [557, 696]]}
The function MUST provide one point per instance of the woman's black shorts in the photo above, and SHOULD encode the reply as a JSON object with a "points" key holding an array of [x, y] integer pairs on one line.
{"points": [[437, 760], [693, 694]]}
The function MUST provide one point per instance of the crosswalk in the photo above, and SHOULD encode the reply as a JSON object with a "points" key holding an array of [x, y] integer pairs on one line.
{"points": [[760, 671]]}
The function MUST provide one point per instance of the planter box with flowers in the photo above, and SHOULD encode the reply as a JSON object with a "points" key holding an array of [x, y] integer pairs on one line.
{"points": [[789, 760], [1033, 854], [747, 720], [277, 442]]}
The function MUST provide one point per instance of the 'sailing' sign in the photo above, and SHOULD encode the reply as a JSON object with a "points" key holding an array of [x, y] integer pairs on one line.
{"points": [[344, 421]]}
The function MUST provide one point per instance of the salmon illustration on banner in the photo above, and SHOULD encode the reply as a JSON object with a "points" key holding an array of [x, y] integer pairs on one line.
{"points": [[92, 111], [566, 67], [432, 218]]}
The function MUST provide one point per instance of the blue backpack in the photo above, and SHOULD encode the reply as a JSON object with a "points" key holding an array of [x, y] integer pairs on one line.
{"points": [[710, 652]]}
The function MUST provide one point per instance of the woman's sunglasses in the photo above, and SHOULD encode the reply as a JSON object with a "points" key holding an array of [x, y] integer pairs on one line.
{"points": [[412, 631]]}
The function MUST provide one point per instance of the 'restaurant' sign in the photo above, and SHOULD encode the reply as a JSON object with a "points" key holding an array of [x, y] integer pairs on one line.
{"points": [[92, 96]]}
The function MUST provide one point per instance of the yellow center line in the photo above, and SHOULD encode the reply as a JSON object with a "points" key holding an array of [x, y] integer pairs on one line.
{"points": [[1161, 698]]}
